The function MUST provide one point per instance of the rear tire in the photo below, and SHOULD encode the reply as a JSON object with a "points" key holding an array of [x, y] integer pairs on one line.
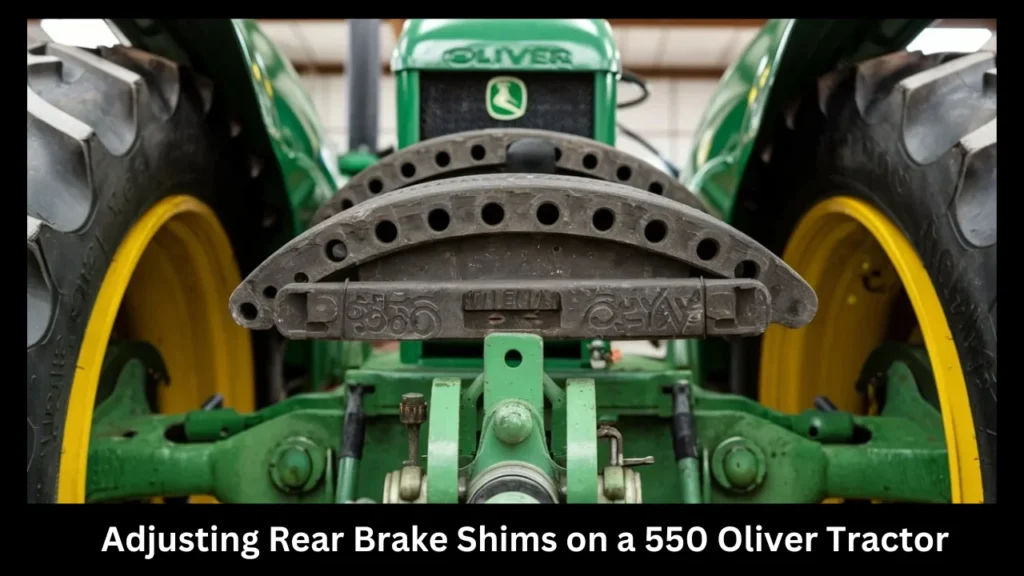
{"points": [[914, 138], [110, 134]]}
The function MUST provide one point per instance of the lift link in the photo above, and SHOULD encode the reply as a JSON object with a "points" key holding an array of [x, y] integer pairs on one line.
{"points": [[408, 485], [214, 402], [352, 439], [684, 444]]}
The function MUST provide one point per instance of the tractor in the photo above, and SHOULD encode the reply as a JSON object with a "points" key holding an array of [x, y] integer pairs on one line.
{"points": [[221, 308]]}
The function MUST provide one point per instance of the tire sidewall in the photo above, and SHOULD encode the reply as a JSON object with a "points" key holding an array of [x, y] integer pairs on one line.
{"points": [[866, 159], [173, 156]]}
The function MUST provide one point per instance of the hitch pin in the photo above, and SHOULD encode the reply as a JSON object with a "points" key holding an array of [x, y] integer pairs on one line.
{"points": [[823, 404], [615, 445], [353, 435], [213, 403], [685, 444]]}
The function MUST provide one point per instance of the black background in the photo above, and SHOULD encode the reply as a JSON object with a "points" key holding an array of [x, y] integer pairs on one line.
{"points": [[79, 531]]}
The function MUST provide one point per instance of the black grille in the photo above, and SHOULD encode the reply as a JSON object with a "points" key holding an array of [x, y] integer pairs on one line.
{"points": [[453, 102]]}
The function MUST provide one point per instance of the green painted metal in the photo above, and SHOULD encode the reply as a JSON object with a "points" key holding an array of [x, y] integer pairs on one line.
{"points": [[233, 470], [631, 386], [354, 162], [581, 442], [308, 163], [282, 453], [513, 423], [513, 369], [513, 402], [297, 464], [348, 474], [783, 57], [127, 399], [507, 44], [469, 421], [690, 478], [628, 391], [407, 84], [905, 458], [705, 477], [493, 451], [738, 465], [916, 360], [725, 134], [605, 107], [213, 425], [443, 443], [309, 166]]}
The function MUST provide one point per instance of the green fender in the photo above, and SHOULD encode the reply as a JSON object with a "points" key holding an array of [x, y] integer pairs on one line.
{"points": [[308, 164], [310, 168], [783, 56]]}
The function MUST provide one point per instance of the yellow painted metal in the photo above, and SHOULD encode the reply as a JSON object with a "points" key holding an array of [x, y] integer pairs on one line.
{"points": [[168, 284], [857, 260]]}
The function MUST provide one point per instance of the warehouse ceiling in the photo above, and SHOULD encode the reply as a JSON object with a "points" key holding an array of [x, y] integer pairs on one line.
{"points": [[653, 47], [692, 46]]}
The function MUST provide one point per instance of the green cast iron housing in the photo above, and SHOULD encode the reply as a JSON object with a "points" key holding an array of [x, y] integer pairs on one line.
{"points": [[747, 453]]}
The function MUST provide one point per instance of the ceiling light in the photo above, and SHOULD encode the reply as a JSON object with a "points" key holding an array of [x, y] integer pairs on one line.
{"points": [[933, 40], [84, 33]]}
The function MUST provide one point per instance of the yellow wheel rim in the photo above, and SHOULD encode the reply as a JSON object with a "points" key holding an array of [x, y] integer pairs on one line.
{"points": [[857, 260], [168, 284]]}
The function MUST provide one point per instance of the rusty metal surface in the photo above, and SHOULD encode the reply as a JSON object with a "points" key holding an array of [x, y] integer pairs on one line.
{"points": [[659, 238], [487, 151], [569, 309]]}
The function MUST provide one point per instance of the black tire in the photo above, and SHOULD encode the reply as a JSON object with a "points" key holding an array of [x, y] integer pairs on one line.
{"points": [[914, 136], [110, 133]]}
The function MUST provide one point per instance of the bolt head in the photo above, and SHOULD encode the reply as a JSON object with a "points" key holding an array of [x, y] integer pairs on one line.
{"points": [[513, 423], [294, 467], [412, 398], [339, 251], [740, 467]]}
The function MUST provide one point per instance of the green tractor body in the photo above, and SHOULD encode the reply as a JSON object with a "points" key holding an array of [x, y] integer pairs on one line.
{"points": [[562, 74], [510, 249]]}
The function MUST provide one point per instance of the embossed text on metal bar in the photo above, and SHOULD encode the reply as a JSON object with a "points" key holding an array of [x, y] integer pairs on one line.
{"points": [[620, 309]]}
